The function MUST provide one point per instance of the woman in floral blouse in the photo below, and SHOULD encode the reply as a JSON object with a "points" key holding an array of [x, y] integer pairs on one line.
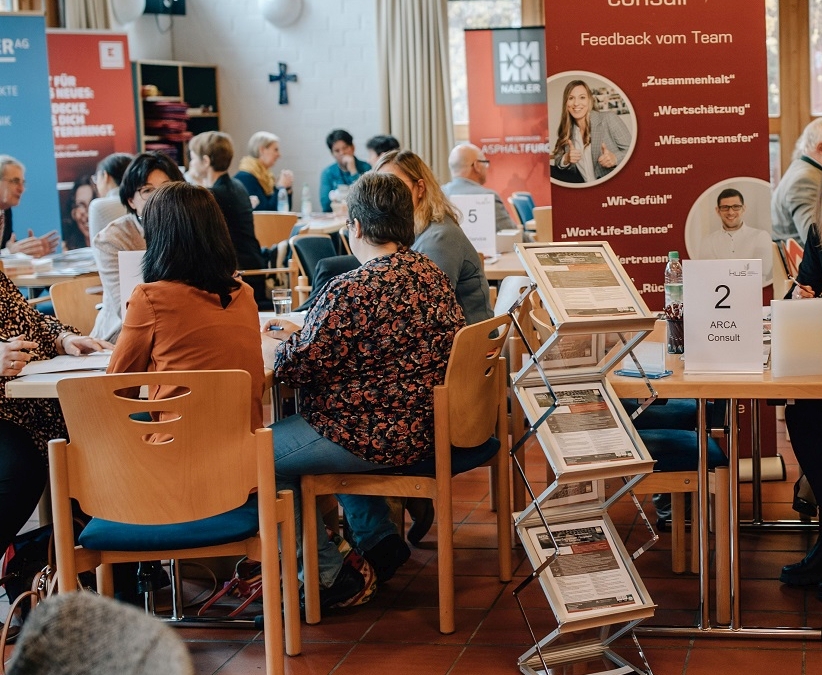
{"points": [[374, 345], [27, 424]]}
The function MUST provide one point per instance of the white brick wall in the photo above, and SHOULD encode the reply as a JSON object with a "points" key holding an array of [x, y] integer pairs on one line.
{"points": [[332, 48]]}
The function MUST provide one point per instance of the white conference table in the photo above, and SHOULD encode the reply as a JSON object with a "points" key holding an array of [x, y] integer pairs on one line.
{"points": [[729, 386]]}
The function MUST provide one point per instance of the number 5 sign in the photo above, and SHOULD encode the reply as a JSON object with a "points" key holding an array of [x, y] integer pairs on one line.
{"points": [[722, 304], [478, 221]]}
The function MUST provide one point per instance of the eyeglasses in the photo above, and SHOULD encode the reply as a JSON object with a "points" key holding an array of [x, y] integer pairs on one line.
{"points": [[16, 182], [146, 191], [349, 223], [736, 208], [484, 161]]}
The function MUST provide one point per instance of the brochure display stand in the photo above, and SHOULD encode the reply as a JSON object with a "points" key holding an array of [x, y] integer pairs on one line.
{"points": [[579, 560]]}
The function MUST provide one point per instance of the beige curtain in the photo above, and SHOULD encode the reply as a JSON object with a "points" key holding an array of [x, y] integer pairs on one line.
{"points": [[81, 14], [412, 39]]}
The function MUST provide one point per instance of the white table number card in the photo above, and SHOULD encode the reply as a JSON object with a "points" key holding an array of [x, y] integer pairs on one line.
{"points": [[478, 221], [722, 306], [131, 274]]}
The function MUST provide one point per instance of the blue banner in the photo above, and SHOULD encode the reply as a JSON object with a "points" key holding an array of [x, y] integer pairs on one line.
{"points": [[25, 119]]}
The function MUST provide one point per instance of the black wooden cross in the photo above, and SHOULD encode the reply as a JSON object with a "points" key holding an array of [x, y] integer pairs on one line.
{"points": [[283, 79]]}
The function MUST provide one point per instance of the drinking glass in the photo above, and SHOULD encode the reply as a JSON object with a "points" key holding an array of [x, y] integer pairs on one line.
{"points": [[281, 297]]}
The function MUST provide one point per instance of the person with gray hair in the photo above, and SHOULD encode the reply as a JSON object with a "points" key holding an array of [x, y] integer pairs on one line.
{"points": [[469, 171], [255, 172], [12, 187], [793, 204], [78, 633]]}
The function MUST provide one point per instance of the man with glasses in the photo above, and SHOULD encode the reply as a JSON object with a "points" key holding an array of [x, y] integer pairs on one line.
{"points": [[12, 186], [469, 171], [736, 240]]}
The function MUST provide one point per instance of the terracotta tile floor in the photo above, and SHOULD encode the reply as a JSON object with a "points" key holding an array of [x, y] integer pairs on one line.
{"points": [[397, 632]]}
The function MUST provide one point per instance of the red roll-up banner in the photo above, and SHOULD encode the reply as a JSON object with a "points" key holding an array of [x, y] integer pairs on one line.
{"points": [[656, 109]]}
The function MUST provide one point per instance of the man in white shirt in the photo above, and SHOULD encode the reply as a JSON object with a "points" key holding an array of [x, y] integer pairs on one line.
{"points": [[736, 240], [469, 171], [12, 186]]}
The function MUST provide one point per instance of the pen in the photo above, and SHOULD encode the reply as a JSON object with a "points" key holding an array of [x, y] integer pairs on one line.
{"points": [[275, 328], [803, 286], [34, 355]]}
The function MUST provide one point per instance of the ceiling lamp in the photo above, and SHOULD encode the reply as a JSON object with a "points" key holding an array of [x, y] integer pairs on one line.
{"points": [[281, 13], [126, 11]]}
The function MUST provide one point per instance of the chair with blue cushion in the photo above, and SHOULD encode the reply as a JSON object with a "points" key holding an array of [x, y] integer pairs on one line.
{"points": [[523, 203], [308, 250], [191, 481], [470, 430]]}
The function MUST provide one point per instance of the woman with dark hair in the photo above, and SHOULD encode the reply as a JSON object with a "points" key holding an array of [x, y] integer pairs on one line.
{"points": [[107, 179], [374, 345], [76, 221], [191, 305], [590, 143], [144, 175]]}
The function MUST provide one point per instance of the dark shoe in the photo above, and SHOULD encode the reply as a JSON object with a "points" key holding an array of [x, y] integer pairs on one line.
{"points": [[388, 556], [807, 571], [421, 511], [801, 503], [355, 584]]}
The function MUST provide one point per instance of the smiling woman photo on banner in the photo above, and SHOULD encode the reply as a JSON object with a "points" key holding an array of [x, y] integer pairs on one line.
{"points": [[593, 128]]}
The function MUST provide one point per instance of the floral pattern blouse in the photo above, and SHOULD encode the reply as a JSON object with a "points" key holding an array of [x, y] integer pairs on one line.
{"points": [[41, 417], [374, 345]]}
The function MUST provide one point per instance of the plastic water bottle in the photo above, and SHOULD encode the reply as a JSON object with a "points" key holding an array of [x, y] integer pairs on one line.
{"points": [[282, 200], [305, 202], [673, 304], [673, 279]]}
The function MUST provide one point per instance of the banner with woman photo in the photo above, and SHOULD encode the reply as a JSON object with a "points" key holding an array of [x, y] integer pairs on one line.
{"points": [[92, 116], [657, 112]]}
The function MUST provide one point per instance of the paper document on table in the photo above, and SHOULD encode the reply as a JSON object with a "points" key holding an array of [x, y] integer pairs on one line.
{"points": [[587, 575], [62, 364]]}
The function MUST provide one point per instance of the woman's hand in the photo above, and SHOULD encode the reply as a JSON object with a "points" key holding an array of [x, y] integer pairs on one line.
{"points": [[607, 158], [14, 354], [279, 329], [286, 179], [77, 345], [801, 291], [573, 155]]}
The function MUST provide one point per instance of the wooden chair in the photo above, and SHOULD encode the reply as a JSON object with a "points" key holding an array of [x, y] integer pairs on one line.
{"points": [[272, 227], [544, 223], [75, 301], [174, 488], [470, 413]]}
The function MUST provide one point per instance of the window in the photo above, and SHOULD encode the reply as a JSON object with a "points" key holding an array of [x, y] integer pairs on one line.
{"points": [[464, 14]]}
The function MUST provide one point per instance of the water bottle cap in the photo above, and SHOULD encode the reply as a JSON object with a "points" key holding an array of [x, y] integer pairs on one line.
{"points": [[673, 255]]}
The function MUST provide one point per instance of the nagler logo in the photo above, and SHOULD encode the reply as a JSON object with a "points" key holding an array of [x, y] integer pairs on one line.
{"points": [[519, 66]]}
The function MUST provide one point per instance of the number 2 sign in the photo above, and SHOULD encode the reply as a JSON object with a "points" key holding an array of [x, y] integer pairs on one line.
{"points": [[722, 305]]}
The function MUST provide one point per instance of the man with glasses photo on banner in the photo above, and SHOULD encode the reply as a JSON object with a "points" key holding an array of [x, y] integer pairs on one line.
{"points": [[736, 240], [12, 186]]}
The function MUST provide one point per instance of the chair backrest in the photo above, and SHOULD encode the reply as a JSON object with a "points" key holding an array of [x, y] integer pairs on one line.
{"points": [[309, 249], [272, 227], [527, 196], [544, 223], [346, 244], [74, 305], [781, 284], [473, 382], [198, 460], [523, 206]]}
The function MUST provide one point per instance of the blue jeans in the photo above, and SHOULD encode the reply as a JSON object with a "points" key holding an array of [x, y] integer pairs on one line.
{"points": [[299, 450]]}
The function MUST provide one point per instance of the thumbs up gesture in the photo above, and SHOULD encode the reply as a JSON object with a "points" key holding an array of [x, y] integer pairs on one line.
{"points": [[607, 158]]}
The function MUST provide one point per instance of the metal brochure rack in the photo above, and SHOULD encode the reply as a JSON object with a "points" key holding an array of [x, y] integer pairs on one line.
{"points": [[595, 318]]}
